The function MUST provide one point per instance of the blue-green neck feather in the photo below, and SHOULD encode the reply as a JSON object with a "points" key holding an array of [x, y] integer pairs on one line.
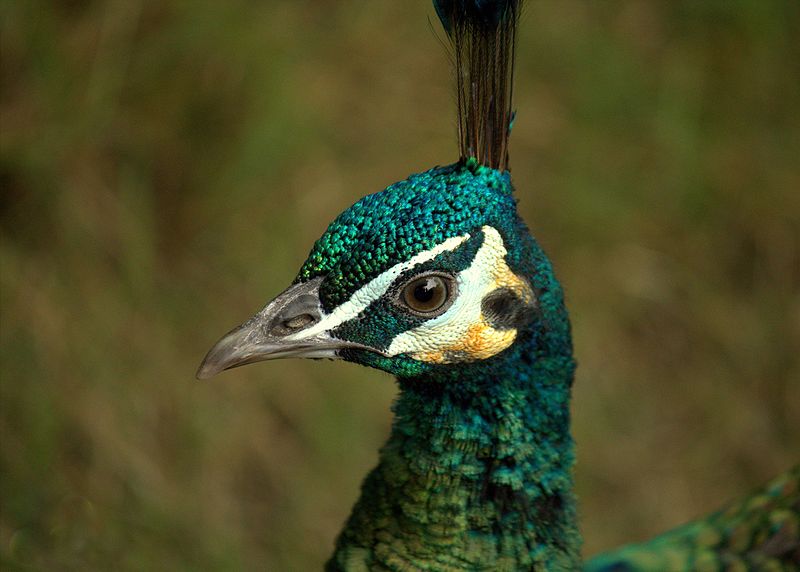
{"points": [[477, 473]]}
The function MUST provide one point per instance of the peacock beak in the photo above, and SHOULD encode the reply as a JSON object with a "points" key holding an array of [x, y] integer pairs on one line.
{"points": [[276, 332]]}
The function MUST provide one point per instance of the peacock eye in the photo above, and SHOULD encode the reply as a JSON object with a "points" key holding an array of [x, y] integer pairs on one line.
{"points": [[428, 295]]}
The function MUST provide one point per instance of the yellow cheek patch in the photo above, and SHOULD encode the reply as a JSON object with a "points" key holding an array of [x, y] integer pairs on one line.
{"points": [[481, 342], [503, 277], [464, 332]]}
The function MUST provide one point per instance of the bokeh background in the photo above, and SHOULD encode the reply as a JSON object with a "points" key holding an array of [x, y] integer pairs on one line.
{"points": [[166, 166]]}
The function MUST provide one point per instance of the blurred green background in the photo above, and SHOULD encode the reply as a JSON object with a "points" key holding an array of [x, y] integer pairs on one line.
{"points": [[167, 165]]}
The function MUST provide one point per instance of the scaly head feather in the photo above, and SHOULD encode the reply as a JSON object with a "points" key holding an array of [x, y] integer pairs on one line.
{"points": [[433, 272]]}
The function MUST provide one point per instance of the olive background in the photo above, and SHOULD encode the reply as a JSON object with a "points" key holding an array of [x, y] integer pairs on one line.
{"points": [[167, 165]]}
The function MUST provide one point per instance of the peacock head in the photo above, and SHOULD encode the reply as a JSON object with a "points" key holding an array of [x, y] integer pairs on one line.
{"points": [[428, 275]]}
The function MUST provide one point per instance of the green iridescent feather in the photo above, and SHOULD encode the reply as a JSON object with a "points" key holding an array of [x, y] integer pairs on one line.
{"points": [[761, 532], [477, 472], [410, 216]]}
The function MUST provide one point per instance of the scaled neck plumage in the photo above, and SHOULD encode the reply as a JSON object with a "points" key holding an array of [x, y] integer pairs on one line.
{"points": [[477, 471]]}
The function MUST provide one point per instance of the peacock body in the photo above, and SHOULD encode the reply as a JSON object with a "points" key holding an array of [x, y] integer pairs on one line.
{"points": [[437, 280]]}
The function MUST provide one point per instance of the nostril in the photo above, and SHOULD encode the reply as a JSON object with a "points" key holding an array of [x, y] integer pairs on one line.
{"points": [[299, 322]]}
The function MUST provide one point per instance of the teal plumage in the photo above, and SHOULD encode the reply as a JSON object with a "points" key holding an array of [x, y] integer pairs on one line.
{"points": [[407, 217], [437, 280], [476, 473]]}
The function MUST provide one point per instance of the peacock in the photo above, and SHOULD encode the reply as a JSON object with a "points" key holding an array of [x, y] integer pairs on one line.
{"points": [[438, 281]]}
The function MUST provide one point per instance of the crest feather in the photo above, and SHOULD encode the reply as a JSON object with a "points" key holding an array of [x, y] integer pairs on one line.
{"points": [[482, 34]]}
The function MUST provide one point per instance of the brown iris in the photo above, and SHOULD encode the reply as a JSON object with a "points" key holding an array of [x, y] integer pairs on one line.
{"points": [[426, 294]]}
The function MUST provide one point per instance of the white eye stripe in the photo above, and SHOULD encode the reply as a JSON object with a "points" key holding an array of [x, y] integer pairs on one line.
{"points": [[374, 289], [472, 283], [461, 328]]}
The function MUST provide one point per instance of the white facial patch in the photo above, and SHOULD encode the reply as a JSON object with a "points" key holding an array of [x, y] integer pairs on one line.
{"points": [[374, 289], [463, 333]]}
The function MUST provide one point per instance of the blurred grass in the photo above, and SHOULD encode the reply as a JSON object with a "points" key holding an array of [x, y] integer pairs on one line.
{"points": [[166, 166]]}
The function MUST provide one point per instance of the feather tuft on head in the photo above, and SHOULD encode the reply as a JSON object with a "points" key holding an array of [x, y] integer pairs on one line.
{"points": [[482, 34]]}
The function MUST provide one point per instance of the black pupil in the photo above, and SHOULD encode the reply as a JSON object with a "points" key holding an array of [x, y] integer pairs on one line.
{"points": [[425, 294], [426, 290]]}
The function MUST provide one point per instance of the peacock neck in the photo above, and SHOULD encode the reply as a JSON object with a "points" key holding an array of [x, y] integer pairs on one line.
{"points": [[476, 473]]}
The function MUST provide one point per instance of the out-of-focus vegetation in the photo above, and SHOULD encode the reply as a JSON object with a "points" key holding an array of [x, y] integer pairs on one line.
{"points": [[167, 165]]}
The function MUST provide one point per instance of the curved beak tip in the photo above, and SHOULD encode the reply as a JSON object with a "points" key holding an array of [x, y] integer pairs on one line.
{"points": [[206, 371], [215, 362], [230, 351], [258, 340]]}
